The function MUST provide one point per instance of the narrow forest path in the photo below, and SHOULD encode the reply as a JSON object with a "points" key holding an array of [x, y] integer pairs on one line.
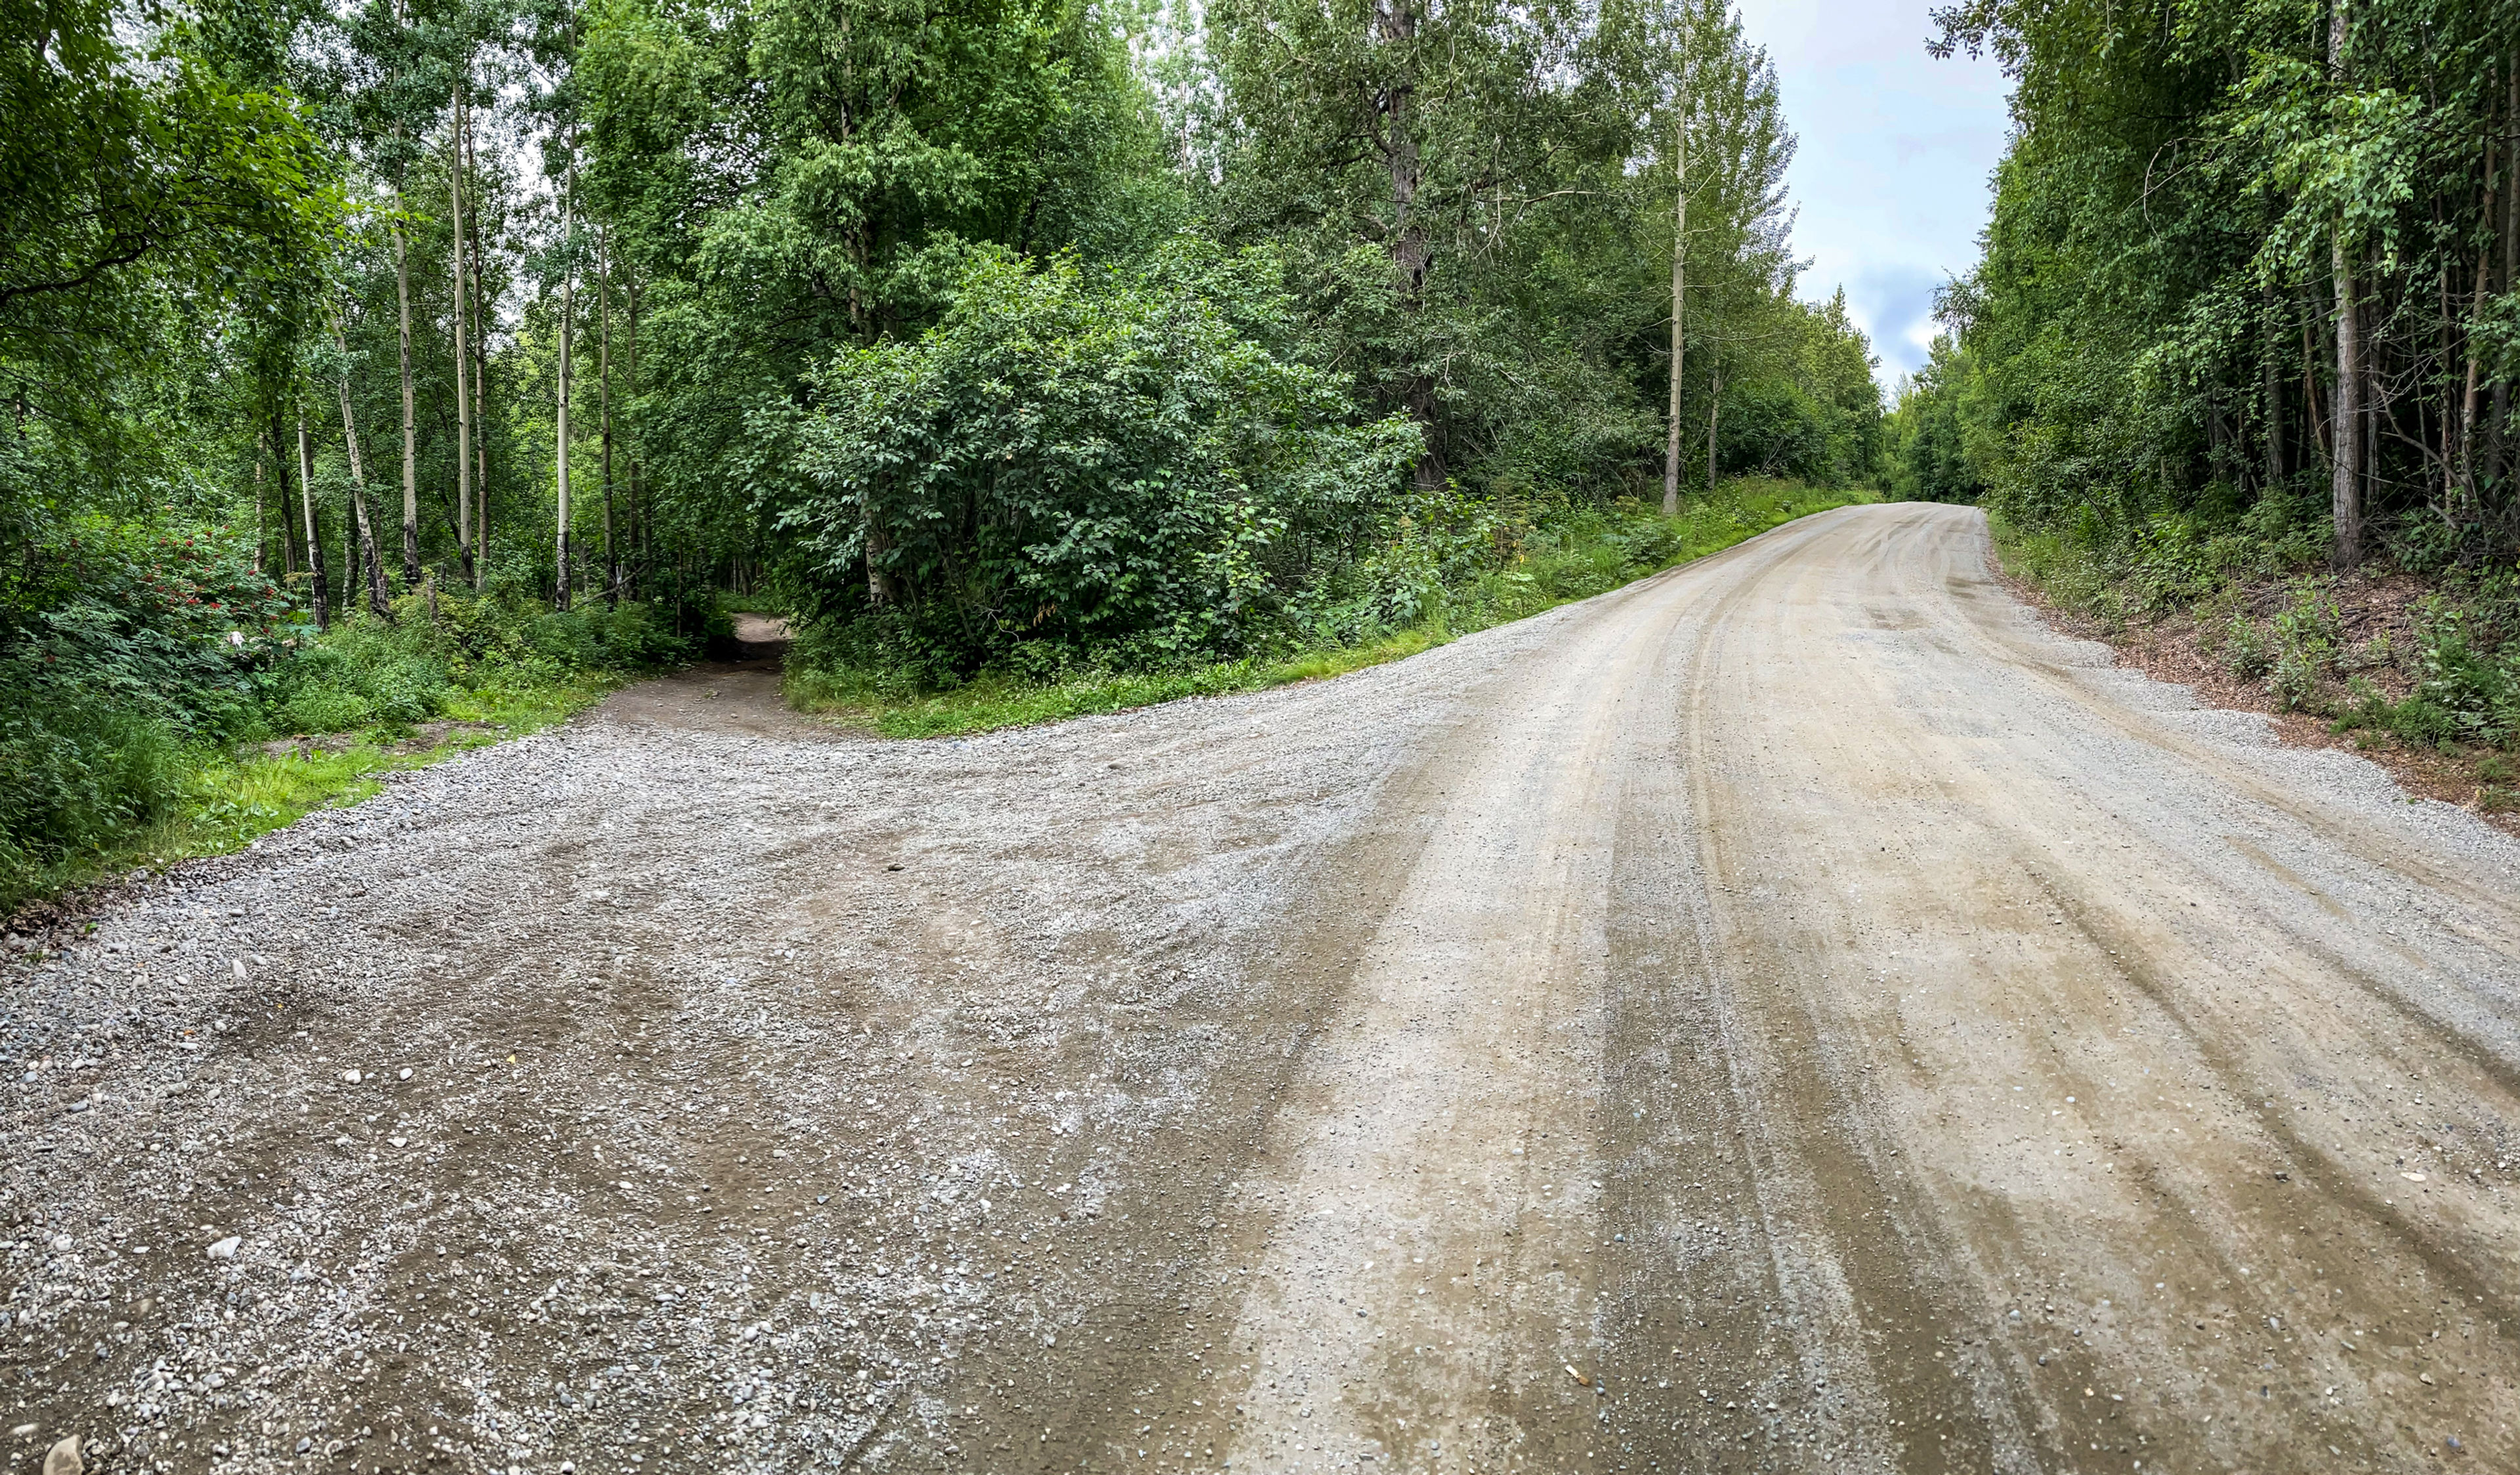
{"points": [[1794, 1013]]}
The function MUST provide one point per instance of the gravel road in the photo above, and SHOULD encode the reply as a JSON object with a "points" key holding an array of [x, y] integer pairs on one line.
{"points": [[1791, 1013]]}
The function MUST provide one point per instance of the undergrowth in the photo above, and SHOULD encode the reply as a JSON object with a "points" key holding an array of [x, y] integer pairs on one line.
{"points": [[1453, 568], [221, 800], [2413, 653], [133, 716]]}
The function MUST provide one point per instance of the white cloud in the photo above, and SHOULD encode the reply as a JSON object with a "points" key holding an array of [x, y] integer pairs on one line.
{"points": [[1897, 156]]}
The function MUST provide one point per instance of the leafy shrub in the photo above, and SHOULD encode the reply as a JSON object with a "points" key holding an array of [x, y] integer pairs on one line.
{"points": [[2174, 564], [2288, 526], [2246, 653], [1138, 463], [2464, 694], [2477, 692], [1440, 539], [75, 773], [120, 644], [2424, 543], [369, 672], [145, 649], [177, 627], [2306, 634]]}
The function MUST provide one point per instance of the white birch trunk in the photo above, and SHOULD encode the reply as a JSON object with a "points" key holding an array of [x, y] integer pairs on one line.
{"points": [[567, 331], [314, 533], [1679, 295], [410, 417], [2345, 466], [463, 400], [380, 594]]}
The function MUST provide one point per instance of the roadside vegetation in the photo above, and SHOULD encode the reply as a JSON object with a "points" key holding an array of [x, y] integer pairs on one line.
{"points": [[1441, 578], [148, 714], [403, 371], [2393, 658], [2234, 373]]}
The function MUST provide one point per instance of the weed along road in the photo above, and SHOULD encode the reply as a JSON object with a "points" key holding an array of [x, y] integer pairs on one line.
{"points": [[1791, 1013]]}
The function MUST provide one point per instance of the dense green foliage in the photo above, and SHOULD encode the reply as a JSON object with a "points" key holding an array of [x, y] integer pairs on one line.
{"points": [[1455, 569], [381, 360], [1126, 465], [1000, 347], [1927, 440], [2246, 307], [160, 654]]}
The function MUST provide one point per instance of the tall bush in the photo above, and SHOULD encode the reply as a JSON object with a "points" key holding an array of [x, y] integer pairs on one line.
{"points": [[1135, 459]]}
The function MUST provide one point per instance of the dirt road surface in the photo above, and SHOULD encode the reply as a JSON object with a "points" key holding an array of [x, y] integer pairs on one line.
{"points": [[1792, 1013]]}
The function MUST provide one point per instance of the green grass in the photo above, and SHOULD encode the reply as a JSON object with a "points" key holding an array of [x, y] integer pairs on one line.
{"points": [[232, 798], [2069, 574], [1584, 556]]}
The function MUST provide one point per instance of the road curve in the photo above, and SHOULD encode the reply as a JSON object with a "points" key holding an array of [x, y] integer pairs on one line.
{"points": [[1847, 1026], [1794, 1013]]}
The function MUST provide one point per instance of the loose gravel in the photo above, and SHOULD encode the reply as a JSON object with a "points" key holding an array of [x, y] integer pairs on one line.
{"points": [[1792, 1013]]}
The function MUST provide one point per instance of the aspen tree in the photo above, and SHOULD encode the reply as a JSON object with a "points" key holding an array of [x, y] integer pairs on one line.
{"points": [[630, 366], [462, 401], [410, 436], [2345, 467], [314, 530], [402, 320], [258, 451], [279, 442], [1679, 289], [469, 225], [604, 403], [379, 595], [567, 331]]}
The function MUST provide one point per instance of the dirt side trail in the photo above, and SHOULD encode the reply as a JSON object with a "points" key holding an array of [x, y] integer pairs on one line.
{"points": [[1792, 1013]]}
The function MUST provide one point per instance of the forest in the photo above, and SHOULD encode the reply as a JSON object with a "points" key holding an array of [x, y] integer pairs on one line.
{"points": [[2240, 348], [420, 359]]}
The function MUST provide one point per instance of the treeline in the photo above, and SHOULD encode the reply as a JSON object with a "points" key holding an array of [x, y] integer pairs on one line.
{"points": [[512, 334], [2251, 271], [1006, 330]]}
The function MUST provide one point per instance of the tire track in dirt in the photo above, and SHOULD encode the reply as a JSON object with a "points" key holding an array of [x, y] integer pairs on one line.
{"points": [[1792, 1013]]}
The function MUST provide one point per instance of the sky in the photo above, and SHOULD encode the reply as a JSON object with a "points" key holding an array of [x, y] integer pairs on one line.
{"points": [[1892, 177]]}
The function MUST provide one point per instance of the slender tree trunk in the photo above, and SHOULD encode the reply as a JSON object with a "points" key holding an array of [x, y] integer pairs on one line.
{"points": [[1679, 295], [481, 376], [314, 525], [2345, 467], [463, 400], [2272, 388], [641, 545], [879, 586], [568, 332], [351, 567], [1714, 412], [2467, 400], [410, 416], [604, 405], [380, 592], [257, 504], [288, 512], [2498, 456], [1396, 26]]}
